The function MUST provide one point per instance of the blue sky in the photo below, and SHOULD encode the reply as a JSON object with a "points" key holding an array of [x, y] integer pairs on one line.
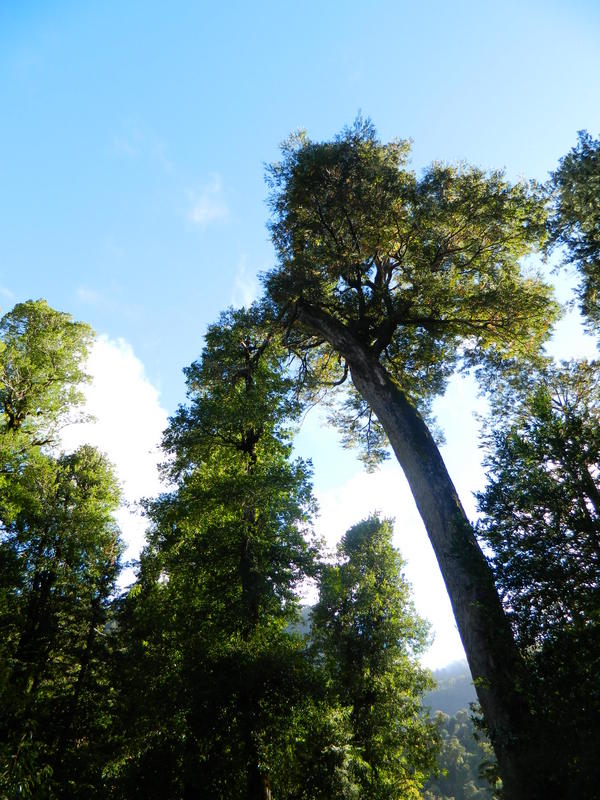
{"points": [[134, 137]]}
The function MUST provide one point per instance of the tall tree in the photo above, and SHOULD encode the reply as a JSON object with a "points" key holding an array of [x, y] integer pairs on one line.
{"points": [[226, 551], [369, 635], [396, 282], [575, 218], [542, 523], [59, 551]]}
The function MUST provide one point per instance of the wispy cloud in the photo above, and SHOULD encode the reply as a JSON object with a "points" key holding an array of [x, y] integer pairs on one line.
{"points": [[208, 205], [135, 141], [245, 285], [205, 203], [6, 296], [113, 300], [90, 296]]}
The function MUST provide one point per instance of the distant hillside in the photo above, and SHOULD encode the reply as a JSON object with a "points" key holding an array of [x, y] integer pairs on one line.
{"points": [[461, 757], [454, 691]]}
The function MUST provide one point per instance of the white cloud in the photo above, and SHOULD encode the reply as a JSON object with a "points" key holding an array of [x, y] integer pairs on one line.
{"points": [[208, 204], [112, 299], [129, 421], [90, 296], [136, 141], [246, 287], [6, 295]]}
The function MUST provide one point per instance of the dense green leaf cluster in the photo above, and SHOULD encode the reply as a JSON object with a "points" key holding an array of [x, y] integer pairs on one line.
{"points": [[424, 271], [59, 559], [575, 218], [225, 693], [207, 623], [460, 762], [41, 370], [368, 635], [542, 522], [542, 504]]}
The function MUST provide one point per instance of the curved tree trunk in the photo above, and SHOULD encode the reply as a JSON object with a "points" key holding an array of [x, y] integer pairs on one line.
{"points": [[494, 660]]}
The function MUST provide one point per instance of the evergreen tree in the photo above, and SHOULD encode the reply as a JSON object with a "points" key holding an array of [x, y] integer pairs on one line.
{"points": [[575, 218], [209, 617], [542, 523], [367, 632], [59, 554]]}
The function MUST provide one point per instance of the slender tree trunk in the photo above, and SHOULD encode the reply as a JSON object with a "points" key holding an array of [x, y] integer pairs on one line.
{"points": [[494, 660]]}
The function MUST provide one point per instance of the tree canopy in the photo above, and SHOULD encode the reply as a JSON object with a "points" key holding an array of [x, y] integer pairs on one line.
{"points": [[210, 614], [424, 271], [42, 354], [59, 559], [575, 218]]}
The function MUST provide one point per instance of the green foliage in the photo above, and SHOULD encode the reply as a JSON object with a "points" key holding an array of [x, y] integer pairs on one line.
{"points": [[425, 272], [241, 502], [542, 523], [219, 695], [42, 353], [575, 219], [59, 557], [460, 761], [63, 549], [41, 356], [207, 625], [543, 503], [323, 763], [368, 635]]}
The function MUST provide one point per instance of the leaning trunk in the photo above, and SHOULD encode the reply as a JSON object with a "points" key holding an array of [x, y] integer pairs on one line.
{"points": [[494, 660]]}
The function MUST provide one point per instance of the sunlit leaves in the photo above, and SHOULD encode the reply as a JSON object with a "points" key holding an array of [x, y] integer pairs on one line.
{"points": [[575, 220], [424, 271]]}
